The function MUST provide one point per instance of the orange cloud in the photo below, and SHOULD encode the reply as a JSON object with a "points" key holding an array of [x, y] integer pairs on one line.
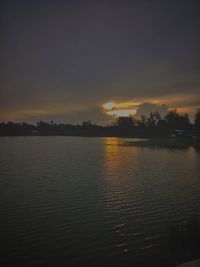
{"points": [[120, 109], [183, 104]]}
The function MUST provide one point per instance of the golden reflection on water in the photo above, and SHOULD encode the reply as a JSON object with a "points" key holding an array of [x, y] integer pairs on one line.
{"points": [[114, 157], [119, 161]]}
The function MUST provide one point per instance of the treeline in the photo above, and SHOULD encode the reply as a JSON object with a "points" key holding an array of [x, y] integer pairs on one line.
{"points": [[152, 126]]}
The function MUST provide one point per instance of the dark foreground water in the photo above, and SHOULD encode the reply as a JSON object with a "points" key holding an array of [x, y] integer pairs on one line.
{"points": [[90, 201]]}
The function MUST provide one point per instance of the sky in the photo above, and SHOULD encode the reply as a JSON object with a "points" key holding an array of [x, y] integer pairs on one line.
{"points": [[70, 61]]}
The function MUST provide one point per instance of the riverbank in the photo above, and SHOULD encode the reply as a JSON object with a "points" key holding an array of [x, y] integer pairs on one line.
{"points": [[181, 143]]}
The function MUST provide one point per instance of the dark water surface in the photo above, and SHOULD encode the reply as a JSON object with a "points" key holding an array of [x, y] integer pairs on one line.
{"points": [[69, 201]]}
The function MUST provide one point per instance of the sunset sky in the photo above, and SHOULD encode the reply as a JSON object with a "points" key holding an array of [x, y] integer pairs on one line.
{"points": [[71, 61]]}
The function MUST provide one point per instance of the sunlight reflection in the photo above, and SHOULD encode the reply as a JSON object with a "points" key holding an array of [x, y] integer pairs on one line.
{"points": [[118, 159], [114, 158]]}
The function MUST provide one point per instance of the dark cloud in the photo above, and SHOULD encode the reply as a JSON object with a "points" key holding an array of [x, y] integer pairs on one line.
{"points": [[147, 108], [85, 53]]}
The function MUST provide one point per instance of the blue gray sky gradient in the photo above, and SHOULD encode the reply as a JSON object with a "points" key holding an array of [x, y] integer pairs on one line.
{"points": [[61, 60]]}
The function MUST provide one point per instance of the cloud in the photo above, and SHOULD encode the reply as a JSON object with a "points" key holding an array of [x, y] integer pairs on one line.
{"points": [[61, 60], [135, 109], [147, 108]]}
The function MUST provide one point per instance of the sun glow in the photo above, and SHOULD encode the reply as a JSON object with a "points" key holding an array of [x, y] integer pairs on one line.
{"points": [[121, 113], [122, 109], [109, 105], [129, 108]]}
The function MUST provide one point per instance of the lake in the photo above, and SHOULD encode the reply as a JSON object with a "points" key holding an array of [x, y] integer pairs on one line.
{"points": [[72, 201]]}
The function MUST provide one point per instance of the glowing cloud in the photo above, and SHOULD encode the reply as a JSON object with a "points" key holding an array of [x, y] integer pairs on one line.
{"points": [[121, 113], [109, 105], [143, 106], [121, 109]]}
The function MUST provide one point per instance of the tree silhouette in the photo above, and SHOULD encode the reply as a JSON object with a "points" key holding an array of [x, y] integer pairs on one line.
{"points": [[152, 126], [125, 122], [197, 121], [172, 119], [178, 122], [153, 119]]}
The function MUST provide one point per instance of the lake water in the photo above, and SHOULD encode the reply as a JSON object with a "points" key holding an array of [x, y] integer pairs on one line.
{"points": [[70, 201]]}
